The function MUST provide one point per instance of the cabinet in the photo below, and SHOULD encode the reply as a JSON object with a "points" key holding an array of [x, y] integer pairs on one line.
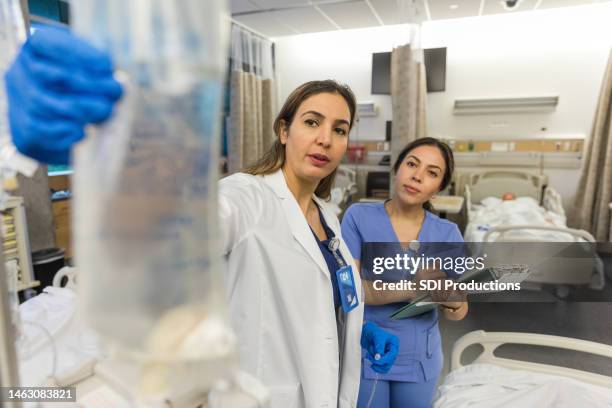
{"points": [[16, 242]]}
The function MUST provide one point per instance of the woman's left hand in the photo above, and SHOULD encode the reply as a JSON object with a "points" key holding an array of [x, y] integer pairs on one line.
{"points": [[455, 299], [381, 347]]}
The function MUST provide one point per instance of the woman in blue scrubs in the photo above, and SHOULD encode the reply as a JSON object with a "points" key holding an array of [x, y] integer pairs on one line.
{"points": [[422, 169]]}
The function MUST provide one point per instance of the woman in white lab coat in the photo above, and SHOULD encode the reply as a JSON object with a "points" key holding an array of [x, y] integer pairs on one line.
{"points": [[277, 226], [299, 330]]}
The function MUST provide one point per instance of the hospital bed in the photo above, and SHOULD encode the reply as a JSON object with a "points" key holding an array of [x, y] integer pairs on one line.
{"points": [[492, 381], [536, 215], [483, 186]]}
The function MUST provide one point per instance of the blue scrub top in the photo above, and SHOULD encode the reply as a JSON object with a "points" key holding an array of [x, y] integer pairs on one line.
{"points": [[420, 356]]}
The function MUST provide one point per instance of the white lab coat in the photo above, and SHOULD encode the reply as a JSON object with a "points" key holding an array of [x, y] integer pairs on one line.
{"points": [[280, 296]]}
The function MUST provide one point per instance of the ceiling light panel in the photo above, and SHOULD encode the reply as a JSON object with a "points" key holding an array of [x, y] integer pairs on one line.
{"points": [[440, 9]]}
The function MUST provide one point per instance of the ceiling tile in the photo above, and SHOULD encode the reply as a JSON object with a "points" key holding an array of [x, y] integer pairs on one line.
{"points": [[265, 24], [291, 18], [272, 4], [546, 4], [305, 20], [497, 7], [241, 6], [390, 13], [441, 9], [387, 10], [350, 15]]}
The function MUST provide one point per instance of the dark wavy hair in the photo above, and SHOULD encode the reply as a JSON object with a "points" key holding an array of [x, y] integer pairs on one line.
{"points": [[274, 158], [447, 154]]}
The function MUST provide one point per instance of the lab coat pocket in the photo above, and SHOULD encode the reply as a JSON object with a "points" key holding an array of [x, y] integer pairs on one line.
{"points": [[286, 395]]}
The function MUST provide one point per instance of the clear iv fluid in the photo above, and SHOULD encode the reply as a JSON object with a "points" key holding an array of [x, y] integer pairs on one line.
{"points": [[145, 183], [150, 241]]}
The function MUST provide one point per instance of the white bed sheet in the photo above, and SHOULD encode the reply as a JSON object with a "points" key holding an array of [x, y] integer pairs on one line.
{"points": [[75, 343], [489, 385], [493, 212]]}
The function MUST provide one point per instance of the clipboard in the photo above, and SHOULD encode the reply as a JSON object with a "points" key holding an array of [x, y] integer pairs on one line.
{"points": [[503, 274]]}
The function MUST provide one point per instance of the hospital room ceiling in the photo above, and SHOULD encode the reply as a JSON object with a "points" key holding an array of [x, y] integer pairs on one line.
{"points": [[275, 18]]}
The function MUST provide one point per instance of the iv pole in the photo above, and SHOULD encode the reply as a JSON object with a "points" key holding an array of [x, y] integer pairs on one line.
{"points": [[8, 358], [9, 376]]}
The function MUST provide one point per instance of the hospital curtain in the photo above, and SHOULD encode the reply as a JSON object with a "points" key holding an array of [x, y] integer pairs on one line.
{"points": [[408, 98], [594, 193], [252, 98]]}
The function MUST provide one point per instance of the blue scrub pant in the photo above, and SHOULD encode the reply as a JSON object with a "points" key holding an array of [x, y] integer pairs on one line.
{"points": [[396, 394]]}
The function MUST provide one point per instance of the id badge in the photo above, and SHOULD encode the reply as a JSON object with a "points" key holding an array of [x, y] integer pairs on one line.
{"points": [[346, 285]]}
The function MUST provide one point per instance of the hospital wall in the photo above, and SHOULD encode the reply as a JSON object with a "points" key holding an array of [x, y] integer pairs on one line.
{"points": [[547, 52]]}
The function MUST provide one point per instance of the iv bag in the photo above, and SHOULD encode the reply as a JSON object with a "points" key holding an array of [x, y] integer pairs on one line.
{"points": [[145, 183]]}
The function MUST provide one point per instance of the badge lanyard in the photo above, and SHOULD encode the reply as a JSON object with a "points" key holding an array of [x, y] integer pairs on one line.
{"points": [[344, 276]]}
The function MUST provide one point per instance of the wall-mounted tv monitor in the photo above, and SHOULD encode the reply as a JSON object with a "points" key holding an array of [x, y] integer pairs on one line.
{"points": [[381, 73], [435, 68]]}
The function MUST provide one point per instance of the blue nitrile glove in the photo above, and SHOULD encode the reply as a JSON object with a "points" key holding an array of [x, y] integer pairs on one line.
{"points": [[57, 84], [379, 343]]}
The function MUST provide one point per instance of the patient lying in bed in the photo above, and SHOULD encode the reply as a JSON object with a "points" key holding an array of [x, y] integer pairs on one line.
{"points": [[510, 210]]}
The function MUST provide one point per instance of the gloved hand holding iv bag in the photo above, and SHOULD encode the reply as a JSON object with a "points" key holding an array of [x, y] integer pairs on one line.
{"points": [[57, 84]]}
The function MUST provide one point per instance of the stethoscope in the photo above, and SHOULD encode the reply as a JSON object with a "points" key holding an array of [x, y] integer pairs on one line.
{"points": [[414, 245], [333, 246]]}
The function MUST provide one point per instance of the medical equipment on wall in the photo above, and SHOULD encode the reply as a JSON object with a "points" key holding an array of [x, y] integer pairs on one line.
{"points": [[145, 195]]}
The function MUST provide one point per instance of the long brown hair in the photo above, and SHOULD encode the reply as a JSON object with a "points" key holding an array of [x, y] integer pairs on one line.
{"points": [[274, 158], [447, 154]]}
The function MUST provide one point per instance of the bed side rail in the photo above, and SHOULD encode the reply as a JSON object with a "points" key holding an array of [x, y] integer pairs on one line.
{"points": [[552, 201], [501, 230], [490, 341]]}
